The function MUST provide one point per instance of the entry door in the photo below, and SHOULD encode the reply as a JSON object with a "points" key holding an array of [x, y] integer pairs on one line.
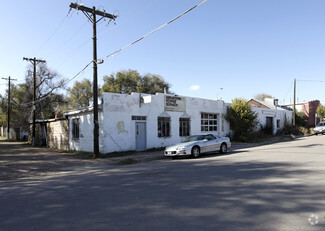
{"points": [[140, 136]]}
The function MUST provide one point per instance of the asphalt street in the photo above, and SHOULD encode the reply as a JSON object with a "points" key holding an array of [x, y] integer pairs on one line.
{"points": [[278, 186]]}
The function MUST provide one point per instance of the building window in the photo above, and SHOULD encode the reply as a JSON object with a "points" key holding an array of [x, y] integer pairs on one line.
{"points": [[278, 123], [163, 126], [75, 128], [184, 127], [209, 122], [139, 118]]}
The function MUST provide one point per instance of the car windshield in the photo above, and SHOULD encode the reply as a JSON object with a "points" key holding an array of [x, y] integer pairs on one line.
{"points": [[320, 124], [193, 138]]}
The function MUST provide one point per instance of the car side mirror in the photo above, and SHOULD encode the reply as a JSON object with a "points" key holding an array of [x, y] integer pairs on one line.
{"points": [[205, 140]]}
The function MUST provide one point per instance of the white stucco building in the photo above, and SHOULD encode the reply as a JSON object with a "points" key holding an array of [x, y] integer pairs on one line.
{"points": [[142, 121], [270, 114]]}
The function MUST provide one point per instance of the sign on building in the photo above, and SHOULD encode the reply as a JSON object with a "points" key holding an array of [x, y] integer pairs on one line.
{"points": [[175, 103]]}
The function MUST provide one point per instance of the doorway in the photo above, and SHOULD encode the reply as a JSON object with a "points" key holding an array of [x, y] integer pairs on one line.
{"points": [[140, 136]]}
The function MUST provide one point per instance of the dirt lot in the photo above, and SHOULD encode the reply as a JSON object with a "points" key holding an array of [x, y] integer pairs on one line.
{"points": [[18, 160]]}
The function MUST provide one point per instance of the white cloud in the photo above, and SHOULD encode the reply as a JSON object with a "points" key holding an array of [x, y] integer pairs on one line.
{"points": [[194, 87]]}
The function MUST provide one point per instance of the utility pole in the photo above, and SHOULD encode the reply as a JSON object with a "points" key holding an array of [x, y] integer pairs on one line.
{"points": [[294, 104], [9, 105], [34, 61], [91, 13]]}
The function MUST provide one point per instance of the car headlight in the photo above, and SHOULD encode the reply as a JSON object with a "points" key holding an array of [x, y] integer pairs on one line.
{"points": [[180, 148]]}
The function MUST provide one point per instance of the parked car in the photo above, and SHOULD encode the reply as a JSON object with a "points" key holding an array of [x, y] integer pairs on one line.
{"points": [[320, 128], [196, 145]]}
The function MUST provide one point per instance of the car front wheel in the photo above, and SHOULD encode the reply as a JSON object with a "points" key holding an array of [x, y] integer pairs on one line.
{"points": [[223, 148], [196, 152]]}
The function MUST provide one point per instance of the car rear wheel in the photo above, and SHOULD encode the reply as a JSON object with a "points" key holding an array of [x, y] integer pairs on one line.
{"points": [[223, 148], [196, 152]]}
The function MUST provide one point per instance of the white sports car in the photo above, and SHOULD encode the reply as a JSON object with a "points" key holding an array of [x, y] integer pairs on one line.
{"points": [[195, 145]]}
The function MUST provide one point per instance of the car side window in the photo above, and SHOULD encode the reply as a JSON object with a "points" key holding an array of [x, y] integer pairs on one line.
{"points": [[209, 137]]}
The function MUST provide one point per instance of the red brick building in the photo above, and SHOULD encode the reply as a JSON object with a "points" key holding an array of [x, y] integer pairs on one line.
{"points": [[310, 108]]}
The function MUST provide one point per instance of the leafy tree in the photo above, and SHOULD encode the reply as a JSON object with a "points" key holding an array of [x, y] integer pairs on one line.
{"points": [[321, 111], [81, 94], [129, 81], [262, 96], [152, 84], [17, 96], [242, 119], [3, 116], [301, 119], [49, 84], [48, 99]]}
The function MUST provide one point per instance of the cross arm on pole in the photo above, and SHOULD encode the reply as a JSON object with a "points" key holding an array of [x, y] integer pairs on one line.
{"points": [[92, 11]]}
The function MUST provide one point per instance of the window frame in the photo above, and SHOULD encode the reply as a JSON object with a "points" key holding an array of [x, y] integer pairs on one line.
{"points": [[163, 127], [209, 122], [184, 127], [75, 128]]}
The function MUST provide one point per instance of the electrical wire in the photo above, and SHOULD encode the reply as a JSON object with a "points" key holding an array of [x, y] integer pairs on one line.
{"points": [[288, 91], [318, 81], [123, 48], [155, 30], [54, 33], [68, 40], [131, 18]]}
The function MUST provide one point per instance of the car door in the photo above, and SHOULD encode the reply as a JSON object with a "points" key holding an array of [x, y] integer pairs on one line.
{"points": [[210, 143]]}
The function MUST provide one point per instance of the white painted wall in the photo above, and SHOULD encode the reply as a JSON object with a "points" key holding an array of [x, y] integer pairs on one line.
{"points": [[118, 130], [277, 114]]}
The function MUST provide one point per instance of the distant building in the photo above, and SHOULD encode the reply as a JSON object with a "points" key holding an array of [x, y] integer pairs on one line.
{"points": [[309, 109], [270, 114]]}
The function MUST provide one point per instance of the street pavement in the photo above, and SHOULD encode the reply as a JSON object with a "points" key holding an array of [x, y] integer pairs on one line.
{"points": [[276, 186]]}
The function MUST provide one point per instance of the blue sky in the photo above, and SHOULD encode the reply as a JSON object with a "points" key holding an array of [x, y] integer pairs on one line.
{"points": [[244, 47]]}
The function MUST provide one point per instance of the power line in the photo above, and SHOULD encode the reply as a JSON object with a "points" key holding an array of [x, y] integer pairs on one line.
{"points": [[123, 48], [158, 28], [288, 91], [318, 81], [54, 33], [68, 40]]}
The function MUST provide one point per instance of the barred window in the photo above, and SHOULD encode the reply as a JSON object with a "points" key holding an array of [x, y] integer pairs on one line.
{"points": [[163, 126], [209, 122], [184, 127], [75, 128]]}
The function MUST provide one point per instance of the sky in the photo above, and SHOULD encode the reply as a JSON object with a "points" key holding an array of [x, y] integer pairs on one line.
{"points": [[223, 49]]}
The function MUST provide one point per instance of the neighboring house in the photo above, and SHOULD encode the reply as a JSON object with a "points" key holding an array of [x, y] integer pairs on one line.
{"points": [[309, 109], [270, 114], [142, 121]]}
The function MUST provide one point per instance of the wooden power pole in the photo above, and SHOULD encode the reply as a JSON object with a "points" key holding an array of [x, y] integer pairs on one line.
{"points": [[9, 105], [91, 13], [294, 104], [34, 61]]}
